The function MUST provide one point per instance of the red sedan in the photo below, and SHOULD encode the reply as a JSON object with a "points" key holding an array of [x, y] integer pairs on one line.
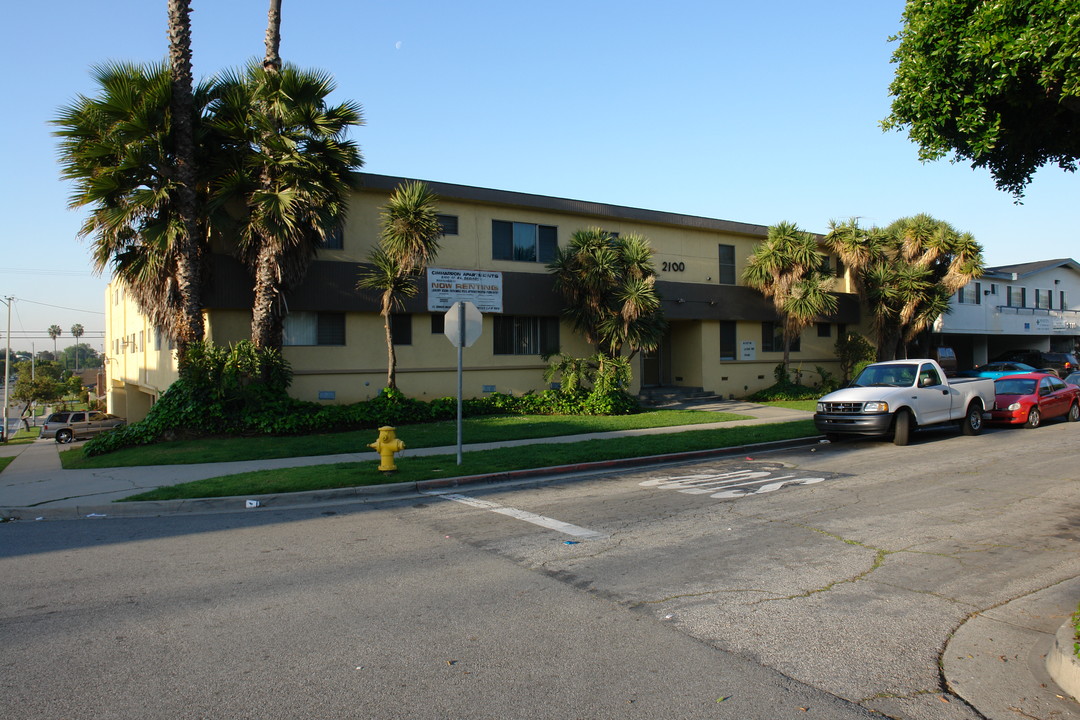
{"points": [[1030, 398]]}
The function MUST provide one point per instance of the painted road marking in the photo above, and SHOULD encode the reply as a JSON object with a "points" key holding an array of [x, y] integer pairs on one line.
{"points": [[735, 483], [529, 517]]}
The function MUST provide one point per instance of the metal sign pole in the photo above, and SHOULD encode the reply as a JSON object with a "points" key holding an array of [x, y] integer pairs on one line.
{"points": [[460, 348]]}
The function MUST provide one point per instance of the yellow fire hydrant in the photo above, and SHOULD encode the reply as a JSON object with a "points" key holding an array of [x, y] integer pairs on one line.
{"points": [[386, 446]]}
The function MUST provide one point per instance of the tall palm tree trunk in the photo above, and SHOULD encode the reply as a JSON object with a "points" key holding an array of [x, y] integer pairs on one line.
{"points": [[266, 313], [272, 62], [190, 324], [391, 355]]}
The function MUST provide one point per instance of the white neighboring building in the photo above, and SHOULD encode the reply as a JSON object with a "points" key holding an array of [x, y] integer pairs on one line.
{"points": [[1020, 306]]}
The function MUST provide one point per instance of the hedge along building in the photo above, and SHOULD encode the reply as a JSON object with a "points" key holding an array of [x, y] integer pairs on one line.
{"points": [[722, 336]]}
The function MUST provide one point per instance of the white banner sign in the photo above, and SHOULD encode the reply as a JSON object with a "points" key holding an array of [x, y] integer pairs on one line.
{"points": [[446, 287]]}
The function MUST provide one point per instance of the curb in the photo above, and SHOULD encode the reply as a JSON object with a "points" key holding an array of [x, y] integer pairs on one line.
{"points": [[372, 493], [1062, 662]]}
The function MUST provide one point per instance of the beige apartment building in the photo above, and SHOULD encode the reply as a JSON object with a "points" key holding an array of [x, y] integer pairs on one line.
{"points": [[723, 336]]}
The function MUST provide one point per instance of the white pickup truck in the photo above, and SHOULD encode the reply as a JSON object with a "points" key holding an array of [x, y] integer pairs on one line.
{"points": [[901, 395]]}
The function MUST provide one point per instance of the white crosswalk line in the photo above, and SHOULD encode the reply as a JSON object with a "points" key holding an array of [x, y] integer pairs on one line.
{"points": [[549, 523]]}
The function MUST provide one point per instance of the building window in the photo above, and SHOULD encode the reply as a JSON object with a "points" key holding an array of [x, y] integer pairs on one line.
{"points": [[401, 328], [969, 294], [727, 265], [335, 240], [448, 223], [1062, 302], [728, 341], [311, 328], [523, 241], [839, 268], [438, 323], [772, 338], [824, 329], [1017, 297], [517, 335]]}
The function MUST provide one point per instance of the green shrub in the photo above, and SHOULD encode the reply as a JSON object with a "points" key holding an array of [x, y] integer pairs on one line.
{"points": [[236, 391]]}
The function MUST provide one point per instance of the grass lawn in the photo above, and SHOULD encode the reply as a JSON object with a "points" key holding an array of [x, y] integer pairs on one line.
{"points": [[24, 436], [482, 429], [4, 462], [338, 475], [808, 405]]}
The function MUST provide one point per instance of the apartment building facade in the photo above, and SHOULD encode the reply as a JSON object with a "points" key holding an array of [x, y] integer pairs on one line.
{"points": [[722, 337], [1034, 305]]}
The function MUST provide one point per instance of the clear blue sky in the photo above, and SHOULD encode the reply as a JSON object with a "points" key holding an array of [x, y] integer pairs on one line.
{"points": [[751, 112]]}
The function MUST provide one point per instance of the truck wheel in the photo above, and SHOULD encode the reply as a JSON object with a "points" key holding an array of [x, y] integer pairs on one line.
{"points": [[972, 422], [1034, 417], [64, 436], [902, 428], [1074, 412]]}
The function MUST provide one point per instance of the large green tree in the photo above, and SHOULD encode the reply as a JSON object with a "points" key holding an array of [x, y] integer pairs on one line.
{"points": [[608, 283], [409, 240], [996, 83], [786, 268], [288, 167], [906, 272]]}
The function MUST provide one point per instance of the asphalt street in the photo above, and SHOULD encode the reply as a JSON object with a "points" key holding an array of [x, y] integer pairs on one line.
{"points": [[834, 581]]}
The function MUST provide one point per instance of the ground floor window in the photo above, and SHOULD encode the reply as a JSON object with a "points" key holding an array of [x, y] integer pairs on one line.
{"points": [[727, 340], [314, 328], [520, 335], [772, 338], [401, 328]]}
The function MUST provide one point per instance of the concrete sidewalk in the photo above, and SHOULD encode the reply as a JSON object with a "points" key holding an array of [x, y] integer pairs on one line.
{"points": [[35, 478]]}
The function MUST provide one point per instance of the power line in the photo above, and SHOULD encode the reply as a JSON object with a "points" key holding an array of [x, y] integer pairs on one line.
{"points": [[45, 304], [34, 271]]}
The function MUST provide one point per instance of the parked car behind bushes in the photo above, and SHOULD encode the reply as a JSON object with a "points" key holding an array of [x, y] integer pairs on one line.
{"points": [[69, 425]]}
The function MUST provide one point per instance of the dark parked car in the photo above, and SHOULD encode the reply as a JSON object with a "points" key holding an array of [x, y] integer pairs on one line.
{"points": [[68, 425], [998, 369], [1062, 363], [1073, 378]]}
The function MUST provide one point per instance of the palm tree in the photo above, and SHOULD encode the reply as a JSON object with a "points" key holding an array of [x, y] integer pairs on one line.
{"points": [[54, 332], [182, 108], [77, 332], [288, 166], [907, 272], [117, 148], [608, 284], [408, 241], [786, 267]]}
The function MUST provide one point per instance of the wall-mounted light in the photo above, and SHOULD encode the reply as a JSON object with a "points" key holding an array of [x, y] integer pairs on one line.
{"points": [[986, 292], [1057, 282], [680, 301]]}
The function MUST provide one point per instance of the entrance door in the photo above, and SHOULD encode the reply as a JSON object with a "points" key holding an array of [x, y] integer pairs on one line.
{"points": [[650, 368]]}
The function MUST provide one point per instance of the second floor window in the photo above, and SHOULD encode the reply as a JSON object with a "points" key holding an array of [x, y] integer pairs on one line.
{"points": [[727, 265], [524, 242], [1017, 297]]}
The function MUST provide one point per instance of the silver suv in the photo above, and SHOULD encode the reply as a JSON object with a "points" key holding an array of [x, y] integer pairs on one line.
{"points": [[68, 425]]}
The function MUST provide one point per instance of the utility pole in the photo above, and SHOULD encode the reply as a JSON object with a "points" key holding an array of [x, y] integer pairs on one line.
{"points": [[7, 370]]}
